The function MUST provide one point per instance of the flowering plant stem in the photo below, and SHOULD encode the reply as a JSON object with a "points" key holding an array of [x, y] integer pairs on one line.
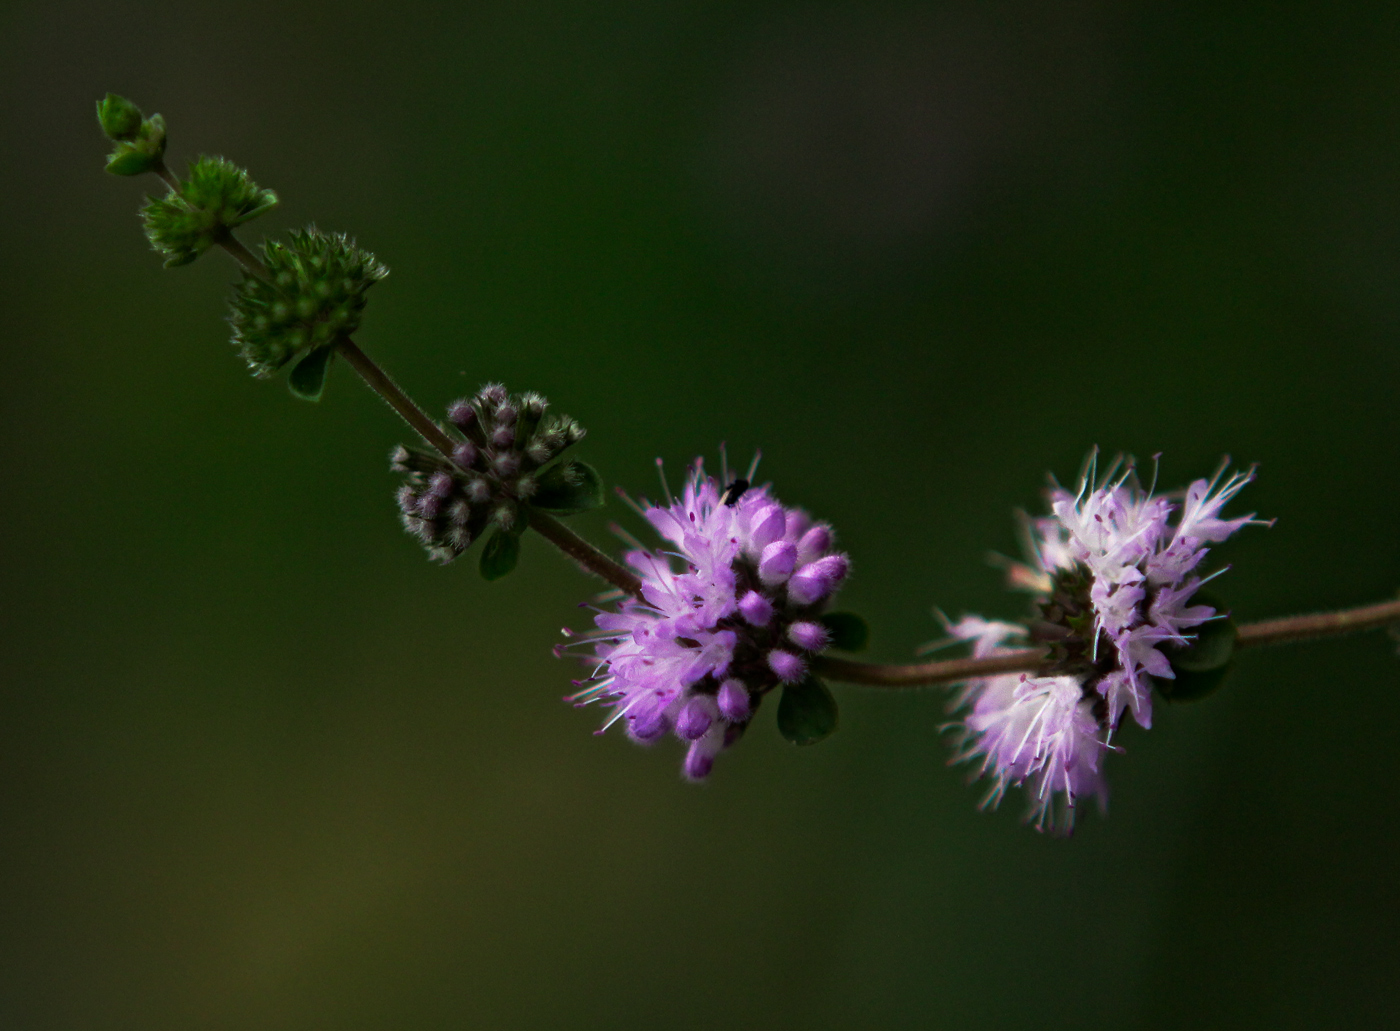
{"points": [[919, 674], [581, 551], [1030, 660]]}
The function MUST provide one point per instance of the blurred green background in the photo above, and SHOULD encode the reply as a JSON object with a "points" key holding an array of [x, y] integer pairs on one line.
{"points": [[262, 766]]}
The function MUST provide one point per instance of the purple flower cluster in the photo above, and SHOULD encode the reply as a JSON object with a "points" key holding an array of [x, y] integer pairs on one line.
{"points": [[1115, 576], [501, 443], [730, 610]]}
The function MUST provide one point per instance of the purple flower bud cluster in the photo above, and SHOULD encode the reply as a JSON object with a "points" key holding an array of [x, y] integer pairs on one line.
{"points": [[501, 443], [1114, 578], [728, 611]]}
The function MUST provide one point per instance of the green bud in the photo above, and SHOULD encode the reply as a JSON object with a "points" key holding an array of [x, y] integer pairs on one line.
{"points": [[319, 296], [807, 712], [217, 197], [141, 151], [120, 118]]}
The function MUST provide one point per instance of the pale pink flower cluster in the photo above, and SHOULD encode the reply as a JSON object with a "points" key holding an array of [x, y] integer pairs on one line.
{"points": [[1140, 570], [1036, 731]]}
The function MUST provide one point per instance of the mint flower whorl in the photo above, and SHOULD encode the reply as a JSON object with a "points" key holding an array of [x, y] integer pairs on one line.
{"points": [[502, 443], [316, 295], [216, 197], [1114, 578], [729, 610]]}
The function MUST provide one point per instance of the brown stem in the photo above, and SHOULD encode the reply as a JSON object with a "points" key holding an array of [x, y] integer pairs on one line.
{"points": [[243, 256], [1030, 660], [919, 674], [161, 169], [585, 554], [378, 380], [1322, 624]]}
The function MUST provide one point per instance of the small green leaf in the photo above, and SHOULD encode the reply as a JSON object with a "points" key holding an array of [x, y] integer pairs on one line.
{"points": [[500, 555], [807, 712], [1201, 666], [567, 488], [308, 378], [1213, 648], [1189, 686], [849, 633], [120, 118]]}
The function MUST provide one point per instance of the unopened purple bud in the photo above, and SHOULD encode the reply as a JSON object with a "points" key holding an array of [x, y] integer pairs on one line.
{"points": [[797, 523], [461, 414], [505, 415], [807, 586], [768, 524], [408, 501], [429, 505], [479, 491], [814, 543], [398, 459], [811, 636], [777, 562], [833, 567], [786, 665], [503, 515], [647, 728], [698, 761], [694, 720], [756, 609], [464, 454], [440, 485], [733, 701], [493, 394], [507, 463], [503, 436], [459, 512], [818, 579]]}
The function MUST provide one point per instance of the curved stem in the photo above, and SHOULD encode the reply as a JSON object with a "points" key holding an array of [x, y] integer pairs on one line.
{"points": [[586, 555], [1029, 660]]}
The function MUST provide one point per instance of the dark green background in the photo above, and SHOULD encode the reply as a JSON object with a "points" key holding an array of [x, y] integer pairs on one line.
{"points": [[262, 766]]}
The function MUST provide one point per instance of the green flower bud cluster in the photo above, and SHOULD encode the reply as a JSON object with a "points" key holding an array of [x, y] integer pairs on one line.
{"points": [[314, 295], [140, 140], [500, 465], [217, 197]]}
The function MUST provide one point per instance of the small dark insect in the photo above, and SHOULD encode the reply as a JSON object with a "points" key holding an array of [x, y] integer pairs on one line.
{"points": [[734, 492]]}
